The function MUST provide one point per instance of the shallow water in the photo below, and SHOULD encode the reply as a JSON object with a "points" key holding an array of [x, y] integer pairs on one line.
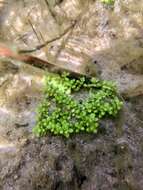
{"points": [[89, 38]]}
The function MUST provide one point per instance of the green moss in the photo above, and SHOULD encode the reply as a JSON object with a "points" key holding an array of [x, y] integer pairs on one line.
{"points": [[62, 113]]}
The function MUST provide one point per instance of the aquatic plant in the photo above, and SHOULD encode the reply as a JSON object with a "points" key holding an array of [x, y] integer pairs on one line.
{"points": [[75, 105], [108, 2]]}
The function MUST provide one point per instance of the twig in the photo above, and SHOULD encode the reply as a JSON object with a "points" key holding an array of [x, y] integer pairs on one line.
{"points": [[48, 41]]}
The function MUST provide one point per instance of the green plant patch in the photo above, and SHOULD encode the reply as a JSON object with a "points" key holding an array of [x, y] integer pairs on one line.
{"points": [[108, 2], [73, 105]]}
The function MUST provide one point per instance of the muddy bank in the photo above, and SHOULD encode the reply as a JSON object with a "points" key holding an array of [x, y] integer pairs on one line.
{"points": [[110, 160]]}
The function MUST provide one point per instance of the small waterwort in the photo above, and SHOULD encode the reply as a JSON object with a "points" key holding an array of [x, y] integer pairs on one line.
{"points": [[63, 113]]}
